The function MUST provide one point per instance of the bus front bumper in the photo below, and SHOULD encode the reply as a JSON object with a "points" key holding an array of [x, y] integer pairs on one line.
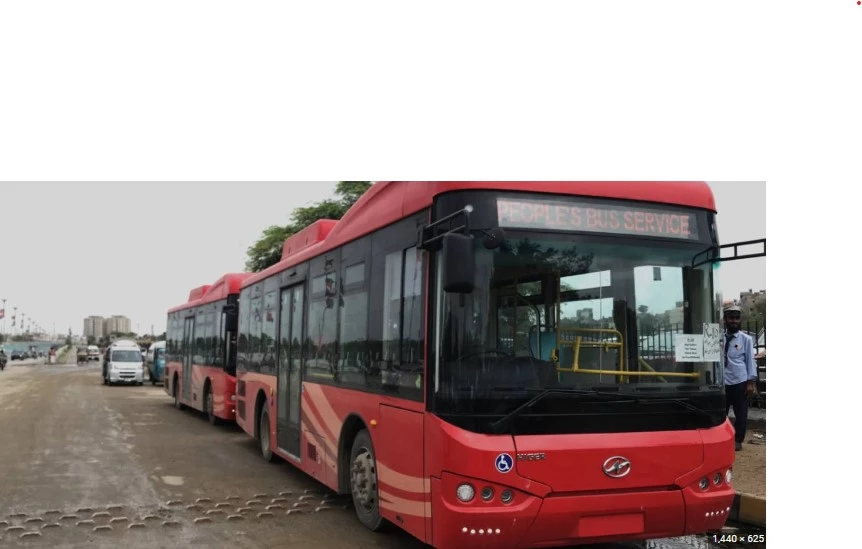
{"points": [[560, 520]]}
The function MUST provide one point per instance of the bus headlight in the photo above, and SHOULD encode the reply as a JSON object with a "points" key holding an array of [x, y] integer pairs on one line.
{"points": [[728, 476], [465, 492]]}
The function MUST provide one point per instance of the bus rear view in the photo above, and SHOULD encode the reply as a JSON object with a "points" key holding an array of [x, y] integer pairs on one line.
{"points": [[575, 367]]}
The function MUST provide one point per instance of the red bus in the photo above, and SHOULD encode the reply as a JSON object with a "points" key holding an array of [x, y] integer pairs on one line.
{"points": [[467, 360], [200, 370]]}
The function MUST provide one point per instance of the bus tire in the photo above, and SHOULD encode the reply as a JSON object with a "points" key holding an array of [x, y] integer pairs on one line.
{"points": [[363, 482], [177, 403], [265, 446], [209, 405]]}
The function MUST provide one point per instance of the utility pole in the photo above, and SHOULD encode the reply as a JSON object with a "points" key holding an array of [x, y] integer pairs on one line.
{"points": [[4, 316]]}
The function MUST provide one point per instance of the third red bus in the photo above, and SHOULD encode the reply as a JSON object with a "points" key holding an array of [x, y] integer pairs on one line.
{"points": [[200, 372]]}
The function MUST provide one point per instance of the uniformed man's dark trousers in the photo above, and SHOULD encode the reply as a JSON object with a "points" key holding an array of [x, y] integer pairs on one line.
{"points": [[737, 400]]}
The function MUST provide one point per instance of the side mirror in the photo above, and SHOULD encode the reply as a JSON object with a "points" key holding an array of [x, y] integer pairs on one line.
{"points": [[459, 267]]}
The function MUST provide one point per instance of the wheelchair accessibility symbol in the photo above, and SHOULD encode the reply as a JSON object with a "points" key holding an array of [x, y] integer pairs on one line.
{"points": [[503, 463]]}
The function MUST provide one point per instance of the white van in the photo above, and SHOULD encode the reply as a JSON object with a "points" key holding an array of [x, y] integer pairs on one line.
{"points": [[92, 352], [123, 363]]}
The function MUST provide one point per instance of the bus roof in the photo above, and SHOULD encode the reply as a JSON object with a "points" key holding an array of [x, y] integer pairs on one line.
{"points": [[388, 201], [196, 293], [220, 289]]}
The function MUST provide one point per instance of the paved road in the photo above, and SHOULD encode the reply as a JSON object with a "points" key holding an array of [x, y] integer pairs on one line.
{"points": [[85, 465]]}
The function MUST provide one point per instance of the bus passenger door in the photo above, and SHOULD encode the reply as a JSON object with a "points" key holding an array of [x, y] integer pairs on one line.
{"points": [[289, 378], [188, 353]]}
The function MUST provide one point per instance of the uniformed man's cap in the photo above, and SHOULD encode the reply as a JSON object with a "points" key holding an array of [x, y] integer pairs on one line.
{"points": [[732, 309]]}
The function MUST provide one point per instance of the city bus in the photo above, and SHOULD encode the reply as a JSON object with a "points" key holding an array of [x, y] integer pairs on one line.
{"points": [[200, 368], [464, 360]]}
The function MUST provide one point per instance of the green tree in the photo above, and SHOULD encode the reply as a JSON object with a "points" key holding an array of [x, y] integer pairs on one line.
{"points": [[267, 250]]}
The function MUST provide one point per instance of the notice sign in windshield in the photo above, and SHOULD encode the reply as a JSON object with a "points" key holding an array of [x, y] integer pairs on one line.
{"points": [[567, 216]]}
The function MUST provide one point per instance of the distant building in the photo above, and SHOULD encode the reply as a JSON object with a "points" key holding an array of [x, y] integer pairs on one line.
{"points": [[747, 301], [98, 327], [585, 314], [117, 324], [94, 326], [676, 315]]}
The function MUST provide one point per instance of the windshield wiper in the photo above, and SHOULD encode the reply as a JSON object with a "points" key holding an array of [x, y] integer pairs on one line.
{"points": [[678, 401], [559, 391]]}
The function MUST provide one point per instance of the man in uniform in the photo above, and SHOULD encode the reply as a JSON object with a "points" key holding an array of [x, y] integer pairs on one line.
{"points": [[740, 372]]}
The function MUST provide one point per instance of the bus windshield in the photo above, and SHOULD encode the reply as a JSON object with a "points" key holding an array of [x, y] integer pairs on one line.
{"points": [[552, 310]]}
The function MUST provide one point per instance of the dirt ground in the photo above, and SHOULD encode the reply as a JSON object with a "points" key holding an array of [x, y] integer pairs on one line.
{"points": [[86, 466], [749, 469]]}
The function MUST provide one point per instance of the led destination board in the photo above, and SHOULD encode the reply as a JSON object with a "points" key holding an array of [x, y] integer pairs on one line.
{"points": [[568, 216]]}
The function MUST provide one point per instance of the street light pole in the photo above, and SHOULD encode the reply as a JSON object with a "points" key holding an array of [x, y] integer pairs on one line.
{"points": [[4, 316]]}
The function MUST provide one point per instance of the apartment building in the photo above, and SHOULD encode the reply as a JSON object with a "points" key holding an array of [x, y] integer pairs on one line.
{"points": [[94, 326], [98, 326]]}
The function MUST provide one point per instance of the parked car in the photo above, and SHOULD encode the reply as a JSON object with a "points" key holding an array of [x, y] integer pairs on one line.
{"points": [[17, 355]]}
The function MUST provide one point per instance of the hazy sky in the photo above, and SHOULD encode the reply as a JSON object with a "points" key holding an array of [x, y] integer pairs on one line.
{"points": [[71, 250]]}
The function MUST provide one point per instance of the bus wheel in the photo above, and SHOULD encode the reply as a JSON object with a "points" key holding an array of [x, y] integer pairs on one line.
{"points": [[363, 482], [177, 402], [208, 399], [265, 447]]}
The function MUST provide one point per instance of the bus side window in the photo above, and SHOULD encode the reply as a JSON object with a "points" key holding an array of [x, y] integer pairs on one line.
{"points": [[403, 328]]}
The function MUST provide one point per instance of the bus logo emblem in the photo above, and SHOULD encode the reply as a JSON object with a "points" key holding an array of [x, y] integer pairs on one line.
{"points": [[503, 463], [617, 467]]}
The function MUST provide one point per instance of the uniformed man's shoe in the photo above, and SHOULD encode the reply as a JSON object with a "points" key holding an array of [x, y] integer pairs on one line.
{"points": [[738, 446]]}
